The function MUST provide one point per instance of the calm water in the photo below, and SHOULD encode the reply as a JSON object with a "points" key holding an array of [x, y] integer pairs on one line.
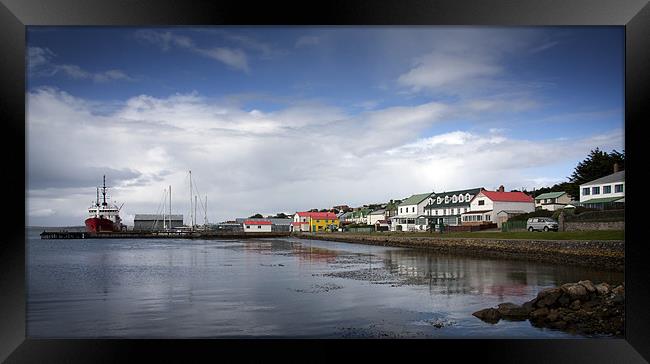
{"points": [[274, 288]]}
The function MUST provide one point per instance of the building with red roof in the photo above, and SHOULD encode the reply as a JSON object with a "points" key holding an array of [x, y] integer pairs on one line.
{"points": [[314, 221], [259, 226], [485, 206]]}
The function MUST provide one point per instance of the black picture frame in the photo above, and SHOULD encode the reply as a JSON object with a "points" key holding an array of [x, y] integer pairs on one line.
{"points": [[15, 15]]}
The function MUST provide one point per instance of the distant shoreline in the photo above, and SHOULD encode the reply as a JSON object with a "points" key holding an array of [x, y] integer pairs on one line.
{"points": [[599, 254]]}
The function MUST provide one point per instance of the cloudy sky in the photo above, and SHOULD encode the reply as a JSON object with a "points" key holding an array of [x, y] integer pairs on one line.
{"points": [[276, 119]]}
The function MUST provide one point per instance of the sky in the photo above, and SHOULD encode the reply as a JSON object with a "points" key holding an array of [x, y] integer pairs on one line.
{"points": [[286, 119]]}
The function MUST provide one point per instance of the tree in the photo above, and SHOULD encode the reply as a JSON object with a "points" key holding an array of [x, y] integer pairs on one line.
{"points": [[281, 215], [256, 216], [597, 164]]}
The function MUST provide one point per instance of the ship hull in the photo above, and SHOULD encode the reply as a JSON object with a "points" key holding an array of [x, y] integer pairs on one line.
{"points": [[96, 224]]}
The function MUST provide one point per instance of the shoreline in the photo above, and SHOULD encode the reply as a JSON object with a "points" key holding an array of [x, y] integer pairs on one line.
{"points": [[599, 254]]}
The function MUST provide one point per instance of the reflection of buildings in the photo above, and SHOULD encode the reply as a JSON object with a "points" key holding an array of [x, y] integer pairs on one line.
{"points": [[450, 275], [313, 254]]}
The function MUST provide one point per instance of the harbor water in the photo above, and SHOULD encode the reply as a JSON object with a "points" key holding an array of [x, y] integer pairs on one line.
{"points": [[281, 287]]}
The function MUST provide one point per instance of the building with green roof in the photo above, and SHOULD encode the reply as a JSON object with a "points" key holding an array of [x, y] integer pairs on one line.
{"points": [[552, 201], [410, 214]]}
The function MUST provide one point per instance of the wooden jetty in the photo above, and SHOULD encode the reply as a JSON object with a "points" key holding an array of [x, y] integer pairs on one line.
{"points": [[161, 235]]}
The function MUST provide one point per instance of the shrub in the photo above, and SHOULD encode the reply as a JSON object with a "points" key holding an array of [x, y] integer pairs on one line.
{"points": [[536, 213]]}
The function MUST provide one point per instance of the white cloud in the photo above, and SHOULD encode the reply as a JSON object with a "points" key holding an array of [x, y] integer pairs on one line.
{"points": [[307, 40], [306, 155], [234, 58], [40, 63]]}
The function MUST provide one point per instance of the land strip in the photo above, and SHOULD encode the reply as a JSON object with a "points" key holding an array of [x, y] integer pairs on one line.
{"points": [[600, 254]]}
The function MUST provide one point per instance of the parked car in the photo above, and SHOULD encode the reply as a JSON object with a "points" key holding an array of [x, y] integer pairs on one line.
{"points": [[541, 223]]}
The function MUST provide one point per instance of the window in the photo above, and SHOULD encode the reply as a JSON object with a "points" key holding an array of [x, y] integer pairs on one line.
{"points": [[400, 210], [413, 209], [446, 199], [436, 212], [439, 200], [454, 199], [618, 188], [585, 191], [607, 189], [248, 226], [461, 198], [454, 212], [595, 190], [259, 226], [487, 218], [481, 202]]}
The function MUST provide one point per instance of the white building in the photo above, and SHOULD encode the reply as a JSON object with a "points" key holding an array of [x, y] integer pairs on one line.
{"points": [[410, 214], [447, 207], [604, 192], [485, 206], [258, 226], [552, 201], [375, 216]]}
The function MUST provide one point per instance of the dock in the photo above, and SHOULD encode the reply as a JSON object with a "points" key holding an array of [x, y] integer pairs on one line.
{"points": [[161, 235]]}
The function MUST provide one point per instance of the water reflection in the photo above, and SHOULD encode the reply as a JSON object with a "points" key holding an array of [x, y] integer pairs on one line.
{"points": [[272, 287]]}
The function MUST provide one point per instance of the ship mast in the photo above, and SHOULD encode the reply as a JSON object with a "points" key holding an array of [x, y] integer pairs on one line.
{"points": [[104, 193], [97, 199]]}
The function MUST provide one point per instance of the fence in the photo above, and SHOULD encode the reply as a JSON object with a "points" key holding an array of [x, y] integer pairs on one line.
{"points": [[513, 225]]}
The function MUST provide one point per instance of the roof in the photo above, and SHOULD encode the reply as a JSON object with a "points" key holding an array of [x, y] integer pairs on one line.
{"points": [[475, 212], [318, 215], [603, 200], [442, 204], [614, 177], [550, 195], [511, 212], [153, 217], [507, 196], [378, 212], [257, 222], [415, 199], [273, 220]]}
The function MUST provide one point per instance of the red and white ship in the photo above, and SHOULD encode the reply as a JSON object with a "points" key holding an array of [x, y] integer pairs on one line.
{"points": [[102, 216]]}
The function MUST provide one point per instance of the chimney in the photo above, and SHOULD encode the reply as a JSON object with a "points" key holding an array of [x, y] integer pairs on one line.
{"points": [[615, 167], [501, 189]]}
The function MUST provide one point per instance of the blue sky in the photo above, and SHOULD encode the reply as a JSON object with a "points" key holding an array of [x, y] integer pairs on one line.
{"points": [[270, 111]]}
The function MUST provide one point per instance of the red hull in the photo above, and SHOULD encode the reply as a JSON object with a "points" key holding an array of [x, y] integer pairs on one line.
{"points": [[96, 224]]}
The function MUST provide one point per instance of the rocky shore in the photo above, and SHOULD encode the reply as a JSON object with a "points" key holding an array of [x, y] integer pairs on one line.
{"points": [[603, 255], [581, 308]]}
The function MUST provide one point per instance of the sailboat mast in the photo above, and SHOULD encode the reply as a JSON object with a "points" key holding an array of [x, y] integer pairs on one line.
{"points": [[191, 217], [170, 206], [163, 210], [195, 198], [205, 213]]}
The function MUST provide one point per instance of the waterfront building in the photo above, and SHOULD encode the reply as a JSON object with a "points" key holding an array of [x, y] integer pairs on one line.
{"points": [[257, 226], [277, 223], [410, 214], [552, 201], [485, 206], [376, 215], [604, 193], [314, 221], [447, 207], [147, 222]]}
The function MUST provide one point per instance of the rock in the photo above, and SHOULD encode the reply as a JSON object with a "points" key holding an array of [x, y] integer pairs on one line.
{"points": [[539, 313], [529, 306], [602, 288], [564, 300], [548, 296], [619, 291], [553, 315], [588, 286], [512, 311], [558, 325], [489, 315], [575, 291], [575, 305]]}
